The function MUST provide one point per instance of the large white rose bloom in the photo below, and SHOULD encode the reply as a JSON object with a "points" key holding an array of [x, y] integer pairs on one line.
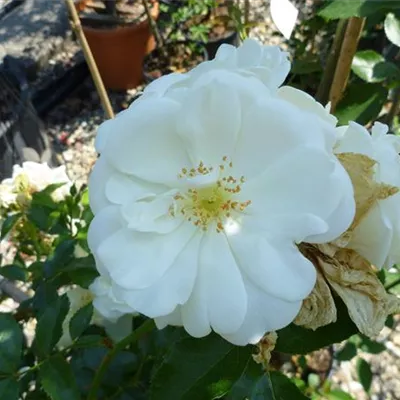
{"points": [[377, 237], [203, 189]]}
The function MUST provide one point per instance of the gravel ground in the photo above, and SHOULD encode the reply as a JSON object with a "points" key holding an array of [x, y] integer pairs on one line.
{"points": [[385, 368], [74, 122]]}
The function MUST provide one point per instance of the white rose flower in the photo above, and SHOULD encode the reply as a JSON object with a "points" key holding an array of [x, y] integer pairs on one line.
{"points": [[34, 177], [377, 237], [202, 193], [7, 194], [269, 64]]}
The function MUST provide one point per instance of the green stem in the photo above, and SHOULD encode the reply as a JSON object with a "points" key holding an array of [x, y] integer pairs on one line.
{"points": [[146, 327], [393, 284]]}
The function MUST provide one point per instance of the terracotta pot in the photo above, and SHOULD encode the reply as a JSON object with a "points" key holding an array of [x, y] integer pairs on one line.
{"points": [[119, 52]]}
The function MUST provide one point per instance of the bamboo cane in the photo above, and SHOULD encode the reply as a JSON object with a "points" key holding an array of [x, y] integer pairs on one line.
{"points": [[349, 47], [329, 71], [77, 28]]}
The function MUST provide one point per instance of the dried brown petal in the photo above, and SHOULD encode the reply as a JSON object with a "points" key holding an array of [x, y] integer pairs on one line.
{"points": [[265, 346], [356, 282], [318, 308], [366, 190]]}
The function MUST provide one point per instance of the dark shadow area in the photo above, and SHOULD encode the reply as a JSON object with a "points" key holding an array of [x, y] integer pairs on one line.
{"points": [[33, 31]]}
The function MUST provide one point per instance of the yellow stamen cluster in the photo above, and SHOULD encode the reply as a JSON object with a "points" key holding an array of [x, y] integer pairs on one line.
{"points": [[214, 203]]}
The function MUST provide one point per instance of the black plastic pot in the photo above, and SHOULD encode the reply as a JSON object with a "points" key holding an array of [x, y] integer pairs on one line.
{"points": [[21, 136], [8, 7], [57, 90], [148, 77], [213, 45]]}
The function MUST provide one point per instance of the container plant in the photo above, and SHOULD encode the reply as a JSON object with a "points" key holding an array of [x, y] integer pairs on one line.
{"points": [[216, 28], [175, 52], [206, 21], [119, 35]]}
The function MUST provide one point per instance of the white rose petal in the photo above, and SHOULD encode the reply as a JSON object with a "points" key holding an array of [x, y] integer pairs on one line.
{"points": [[105, 302], [268, 64], [284, 14], [203, 190], [377, 236]]}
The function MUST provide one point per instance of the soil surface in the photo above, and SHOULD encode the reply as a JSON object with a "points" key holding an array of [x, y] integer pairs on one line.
{"points": [[177, 57], [97, 14]]}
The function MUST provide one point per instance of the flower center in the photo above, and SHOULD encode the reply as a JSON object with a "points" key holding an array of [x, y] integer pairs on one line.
{"points": [[213, 203]]}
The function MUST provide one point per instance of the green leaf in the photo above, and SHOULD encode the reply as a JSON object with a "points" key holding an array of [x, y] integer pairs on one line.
{"points": [[9, 223], [255, 384], [338, 395], [372, 67], [41, 217], [335, 9], [284, 388], [390, 322], [85, 198], [89, 341], [57, 379], [62, 255], [347, 352], [392, 28], [371, 346], [10, 344], [81, 271], [73, 191], [199, 369], [361, 103], [9, 389], [80, 321], [298, 340], [364, 374], [45, 294], [44, 199], [49, 326], [83, 277], [252, 384], [307, 66], [14, 273]]}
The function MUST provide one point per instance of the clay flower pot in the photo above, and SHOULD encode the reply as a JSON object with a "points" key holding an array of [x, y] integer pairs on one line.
{"points": [[119, 52]]}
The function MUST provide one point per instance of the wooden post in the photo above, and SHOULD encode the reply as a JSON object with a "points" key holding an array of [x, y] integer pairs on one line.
{"points": [[349, 47], [329, 71], [77, 28]]}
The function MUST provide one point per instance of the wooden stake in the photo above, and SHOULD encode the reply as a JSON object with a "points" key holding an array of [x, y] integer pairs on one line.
{"points": [[349, 47], [329, 71], [77, 28]]}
